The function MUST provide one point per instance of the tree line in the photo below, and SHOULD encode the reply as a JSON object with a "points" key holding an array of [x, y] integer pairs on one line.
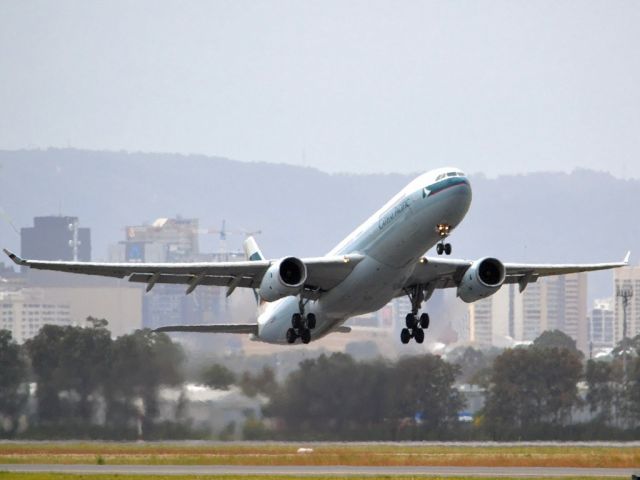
{"points": [[88, 384], [81, 374]]}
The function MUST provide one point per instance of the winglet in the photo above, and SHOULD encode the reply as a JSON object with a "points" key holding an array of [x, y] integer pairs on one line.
{"points": [[625, 261], [14, 257]]}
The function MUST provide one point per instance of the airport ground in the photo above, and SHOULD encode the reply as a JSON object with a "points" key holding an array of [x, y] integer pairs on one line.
{"points": [[609, 455], [58, 476], [271, 461]]}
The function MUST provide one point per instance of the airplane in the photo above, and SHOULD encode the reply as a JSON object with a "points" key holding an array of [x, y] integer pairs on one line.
{"points": [[307, 298]]}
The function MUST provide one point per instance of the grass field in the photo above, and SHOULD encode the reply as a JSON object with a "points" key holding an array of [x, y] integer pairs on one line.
{"points": [[62, 476], [325, 454]]}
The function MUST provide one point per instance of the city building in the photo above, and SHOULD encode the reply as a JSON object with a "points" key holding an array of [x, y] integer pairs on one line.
{"points": [[56, 238], [176, 240], [489, 319], [120, 304], [601, 325], [628, 279], [24, 312], [553, 303], [165, 240]]}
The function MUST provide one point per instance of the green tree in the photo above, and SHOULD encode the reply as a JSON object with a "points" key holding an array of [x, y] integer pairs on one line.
{"points": [[555, 339], [13, 376], [475, 365], [423, 387], [46, 352], [633, 392], [86, 353], [628, 346], [331, 396], [605, 388], [264, 383], [140, 364], [69, 359], [218, 376], [531, 387]]}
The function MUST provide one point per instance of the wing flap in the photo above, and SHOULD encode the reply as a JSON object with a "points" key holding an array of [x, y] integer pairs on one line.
{"points": [[248, 328], [210, 280], [323, 273]]}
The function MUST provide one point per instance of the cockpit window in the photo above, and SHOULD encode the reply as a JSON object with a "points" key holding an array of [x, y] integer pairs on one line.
{"points": [[440, 177], [452, 174]]}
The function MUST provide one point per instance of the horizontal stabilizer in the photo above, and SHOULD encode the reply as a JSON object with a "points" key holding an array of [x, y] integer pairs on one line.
{"points": [[246, 328], [342, 329]]}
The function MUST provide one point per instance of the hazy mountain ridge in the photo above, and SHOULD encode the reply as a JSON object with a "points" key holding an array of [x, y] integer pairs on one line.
{"points": [[578, 217]]}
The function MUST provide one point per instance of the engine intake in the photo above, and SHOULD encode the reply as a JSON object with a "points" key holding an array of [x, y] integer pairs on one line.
{"points": [[283, 278], [483, 278]]}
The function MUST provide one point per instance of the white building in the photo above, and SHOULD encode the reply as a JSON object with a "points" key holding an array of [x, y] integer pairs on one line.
{"points": [[489, 319], [548, 304], [24, 312], [601, 324]]}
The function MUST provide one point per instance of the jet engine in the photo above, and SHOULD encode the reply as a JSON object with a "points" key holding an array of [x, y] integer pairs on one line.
{"points": [[483, 278], [283, 278]]}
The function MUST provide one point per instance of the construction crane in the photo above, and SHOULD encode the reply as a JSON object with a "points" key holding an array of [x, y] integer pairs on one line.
{"points": [[223, 232]]}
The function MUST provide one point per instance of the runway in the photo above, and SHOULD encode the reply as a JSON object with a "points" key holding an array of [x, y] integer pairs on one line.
{"points": [[329, 471]]}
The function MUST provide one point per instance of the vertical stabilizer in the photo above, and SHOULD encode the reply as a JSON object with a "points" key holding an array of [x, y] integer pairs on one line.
{"points": [[253, 253], [251, 249]]}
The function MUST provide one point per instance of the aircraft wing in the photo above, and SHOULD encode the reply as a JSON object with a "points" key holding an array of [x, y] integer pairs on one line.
{"points": [[323, 273], [447, 273]]}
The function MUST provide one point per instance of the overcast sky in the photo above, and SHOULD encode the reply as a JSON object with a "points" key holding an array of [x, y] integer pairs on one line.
{"points": [[360, 86]]}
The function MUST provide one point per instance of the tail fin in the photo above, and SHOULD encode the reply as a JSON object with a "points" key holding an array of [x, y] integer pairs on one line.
{"points": [[253, 253], [251, 249]]}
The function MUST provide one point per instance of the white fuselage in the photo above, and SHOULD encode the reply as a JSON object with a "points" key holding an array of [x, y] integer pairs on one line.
{"points": [[392, 241]]}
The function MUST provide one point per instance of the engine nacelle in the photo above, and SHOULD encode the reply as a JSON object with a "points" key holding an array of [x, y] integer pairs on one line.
{"points": [[483, 278], [285, 277]]}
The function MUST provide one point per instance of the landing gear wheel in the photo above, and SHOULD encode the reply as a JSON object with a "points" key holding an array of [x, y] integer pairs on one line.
{"points": [[418, 334], [305, 336], [405, 335], [410, 320], [424, 320], [296, 321], [311, 321], [447, 249], [439, 249], [291, 335]]}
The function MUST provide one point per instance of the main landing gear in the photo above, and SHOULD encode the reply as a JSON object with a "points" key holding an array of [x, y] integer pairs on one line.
{"points": [[301, 325], [415, 325], [443, 230]]}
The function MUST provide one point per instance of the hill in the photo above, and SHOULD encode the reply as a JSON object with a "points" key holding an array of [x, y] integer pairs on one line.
{"points": [[579, 217]]}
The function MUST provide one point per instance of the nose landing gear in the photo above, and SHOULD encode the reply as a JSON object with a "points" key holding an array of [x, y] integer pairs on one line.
{"points": [[443, 230], [301, 325]]}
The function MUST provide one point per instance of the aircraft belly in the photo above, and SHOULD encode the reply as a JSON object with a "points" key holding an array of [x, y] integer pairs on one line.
{"points": [[368, 288]]}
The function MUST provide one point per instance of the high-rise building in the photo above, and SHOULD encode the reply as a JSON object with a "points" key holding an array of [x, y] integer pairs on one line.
{"points": [[175, 240], [601, 324], [165, 240], [489, 318], [56, 238], [553, 303], [627, 278]]}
